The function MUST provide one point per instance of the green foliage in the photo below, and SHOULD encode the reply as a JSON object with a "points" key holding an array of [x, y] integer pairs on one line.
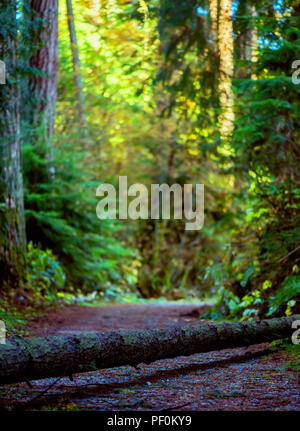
{"points": [[12, 317], [45, 277], [259, 301], [61, 217], [150, 81], [285, 297]]}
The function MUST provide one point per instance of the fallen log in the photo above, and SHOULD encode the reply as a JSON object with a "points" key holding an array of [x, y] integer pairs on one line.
{"points": [[24, 359]]}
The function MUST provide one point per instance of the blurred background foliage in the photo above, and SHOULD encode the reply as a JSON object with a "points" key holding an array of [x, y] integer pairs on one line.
{"points": [[150, 76]]}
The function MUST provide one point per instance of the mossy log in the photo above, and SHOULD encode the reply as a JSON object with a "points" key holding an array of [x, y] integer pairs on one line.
{"points": [[24, 359]]}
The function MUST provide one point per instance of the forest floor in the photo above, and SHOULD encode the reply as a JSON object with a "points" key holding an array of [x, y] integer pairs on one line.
{"points": [[248, 378]]}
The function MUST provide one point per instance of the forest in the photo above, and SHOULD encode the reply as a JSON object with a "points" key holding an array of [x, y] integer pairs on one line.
{"points": [[199, 101]]}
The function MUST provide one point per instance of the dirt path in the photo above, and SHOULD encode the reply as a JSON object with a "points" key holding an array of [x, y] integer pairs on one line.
{"points": [[78, 319], [249, 378]]}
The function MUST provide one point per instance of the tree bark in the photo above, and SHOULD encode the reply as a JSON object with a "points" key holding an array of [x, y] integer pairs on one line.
{"points": [[43, 86], [76, 66], [213, 12], [36, 358], [12, 234], [254, 38], [225, 43], [248, 41]]}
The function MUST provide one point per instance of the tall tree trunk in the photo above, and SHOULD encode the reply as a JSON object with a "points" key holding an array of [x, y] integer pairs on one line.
{"points": [[145, 11], [35, 358], [12, 235], [253, 41], [213, 12], [225, 42], [76, 66], [247, 42], [43, 86]]}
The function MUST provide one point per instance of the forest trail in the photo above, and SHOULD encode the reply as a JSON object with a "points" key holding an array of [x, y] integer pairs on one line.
{"points": [[248, 378], [77, 319]]}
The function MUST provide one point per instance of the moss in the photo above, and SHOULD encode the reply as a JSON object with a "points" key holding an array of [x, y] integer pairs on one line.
{"points": [[54, 356]]}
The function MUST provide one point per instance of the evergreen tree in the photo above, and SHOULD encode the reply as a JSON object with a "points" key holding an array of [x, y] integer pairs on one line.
{"points": [[12, 239]]}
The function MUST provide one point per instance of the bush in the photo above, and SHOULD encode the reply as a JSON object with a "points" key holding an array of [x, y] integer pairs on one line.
{"points": [[286, 296], [44, 276]]}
